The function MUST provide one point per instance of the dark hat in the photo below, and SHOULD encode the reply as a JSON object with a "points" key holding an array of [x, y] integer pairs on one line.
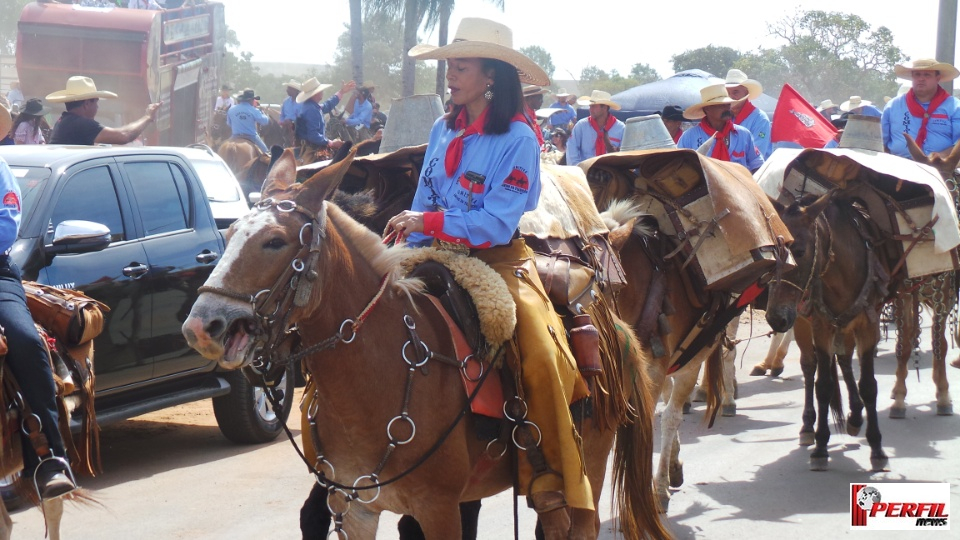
{"points": [[672, 112], [248, 95], [558, 131], [226, 87], [34, 107]]}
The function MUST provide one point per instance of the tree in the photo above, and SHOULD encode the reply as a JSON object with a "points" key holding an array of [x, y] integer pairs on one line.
{"points": [[541, 57], [712, 59], [643, 74], [9, 16], [356, 40], [438, 13], [594, 78]]}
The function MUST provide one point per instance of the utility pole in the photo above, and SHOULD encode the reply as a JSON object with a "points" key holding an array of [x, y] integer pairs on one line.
{"points": [[947, 36]]}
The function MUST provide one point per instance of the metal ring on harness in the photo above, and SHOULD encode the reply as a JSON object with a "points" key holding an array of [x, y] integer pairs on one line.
{"points": [[491, 456], [519, 417], [298, 265], [513, 434], [413, 429], [319, 463], [464, 370], [340, 534], [353, 329], [409, 322], [305, 225], [286, 206], [373, 478], [347, 498], [411, 363]]}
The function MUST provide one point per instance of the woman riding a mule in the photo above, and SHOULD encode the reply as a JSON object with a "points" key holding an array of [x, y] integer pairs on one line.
{"points": [[481, 173]]}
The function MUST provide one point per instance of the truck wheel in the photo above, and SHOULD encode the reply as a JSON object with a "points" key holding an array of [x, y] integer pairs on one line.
{"points": [[11, 498], [245, 415]]}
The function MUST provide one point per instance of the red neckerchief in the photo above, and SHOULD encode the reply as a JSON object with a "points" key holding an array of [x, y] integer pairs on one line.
{"points": [[744, 112], [916, 109], [600, 146], [455, 149], [720, 149], [530, 118]]}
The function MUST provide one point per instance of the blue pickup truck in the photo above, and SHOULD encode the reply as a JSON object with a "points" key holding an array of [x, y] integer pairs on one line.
{"points": [[142, 233]]}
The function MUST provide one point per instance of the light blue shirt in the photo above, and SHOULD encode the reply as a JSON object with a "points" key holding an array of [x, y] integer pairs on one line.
{"points": [[243, 119], [564, 117], [742, 148], [759, 125], [10, 210], [289, 110], [478, 215], [943, 129], [583, 140], [362, 114]]}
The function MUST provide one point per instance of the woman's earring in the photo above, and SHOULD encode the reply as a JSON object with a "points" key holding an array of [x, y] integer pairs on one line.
{"points": [[488, 95]]}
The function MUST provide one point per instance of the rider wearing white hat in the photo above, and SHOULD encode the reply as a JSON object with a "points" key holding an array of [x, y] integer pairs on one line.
{"points": [[314, 145], [927, 112], [731, 142], [77, 124], [597, 134], [289, 109], [744, 112]]}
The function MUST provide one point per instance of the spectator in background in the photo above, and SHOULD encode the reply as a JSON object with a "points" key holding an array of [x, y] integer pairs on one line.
{"points": [[77, 125], [672, 116], [244, 117], [361, 113], [742, 90], [828, 109], [290, 109], [567, 116], [598, 134], [314, 144], [379, 118], [15, 98], [927, 112], [26, 129], [224, 100], [728, 141], [857, 105]]}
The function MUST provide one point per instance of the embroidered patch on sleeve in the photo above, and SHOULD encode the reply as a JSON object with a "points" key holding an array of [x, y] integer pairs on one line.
{"points": [[10, 200], [517, 182]]}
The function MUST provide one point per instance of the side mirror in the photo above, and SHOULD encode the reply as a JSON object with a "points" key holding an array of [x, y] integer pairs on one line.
{"points": [[78, 236], [253, 197]]}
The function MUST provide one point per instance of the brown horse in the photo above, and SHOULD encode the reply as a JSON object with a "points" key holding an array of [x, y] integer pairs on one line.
{"points": [[246, 161], [839, 294], [357, 388]]}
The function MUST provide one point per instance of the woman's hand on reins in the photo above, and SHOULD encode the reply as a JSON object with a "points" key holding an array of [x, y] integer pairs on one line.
{"points": [[404, 223]]}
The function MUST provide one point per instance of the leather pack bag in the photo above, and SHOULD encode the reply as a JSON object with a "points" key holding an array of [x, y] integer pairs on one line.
{"points": [[69, 315]]}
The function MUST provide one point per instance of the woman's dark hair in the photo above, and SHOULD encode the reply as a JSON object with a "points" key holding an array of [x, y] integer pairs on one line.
{"points": [[23, 118], [507, 97], [562, 133]]}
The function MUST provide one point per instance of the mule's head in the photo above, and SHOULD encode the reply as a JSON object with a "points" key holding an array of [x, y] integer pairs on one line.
{"points": [[944, 163], [226, 321], [786, 290]]}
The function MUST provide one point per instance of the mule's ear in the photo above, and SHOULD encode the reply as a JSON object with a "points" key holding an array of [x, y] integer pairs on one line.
{"points": [[954, 158], [818, 206], [620, 235], [777, 205], [320, 187], [282, 175], [915, 151]]}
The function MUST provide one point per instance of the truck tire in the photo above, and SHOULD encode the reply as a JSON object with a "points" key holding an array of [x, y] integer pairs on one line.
{"points": [[245, 415], [12, 499]]}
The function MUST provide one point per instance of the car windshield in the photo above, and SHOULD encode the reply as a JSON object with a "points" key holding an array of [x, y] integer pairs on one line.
{"points": [[217, 180], [31, 180]]}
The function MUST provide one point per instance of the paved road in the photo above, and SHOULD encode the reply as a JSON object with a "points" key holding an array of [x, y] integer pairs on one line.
{"points": [[171, 475]]}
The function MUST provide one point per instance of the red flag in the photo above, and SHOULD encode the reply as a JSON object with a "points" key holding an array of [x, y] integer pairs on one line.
{"points": [[796, 121]]}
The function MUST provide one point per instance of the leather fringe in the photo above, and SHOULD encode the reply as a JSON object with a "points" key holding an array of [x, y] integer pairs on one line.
{"points": [[610, 401]]}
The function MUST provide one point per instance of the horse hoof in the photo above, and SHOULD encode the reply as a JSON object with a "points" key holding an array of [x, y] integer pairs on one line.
{"points": [[728, 410], [898, 412], [700, 395], [879, 463], [852, 430], [758, 371], [776, 372], [664, 503], [686, 407], [819, 463], [806, 438], [945, 410], [676, 475]]}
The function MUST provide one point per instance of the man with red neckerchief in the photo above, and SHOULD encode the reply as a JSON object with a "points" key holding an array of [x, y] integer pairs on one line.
{"points": [[927, 112], [727, 141], [598, 134], [744, 112]]}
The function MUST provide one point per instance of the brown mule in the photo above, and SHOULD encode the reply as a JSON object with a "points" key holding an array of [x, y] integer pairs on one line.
{"points": [[360, 385]]}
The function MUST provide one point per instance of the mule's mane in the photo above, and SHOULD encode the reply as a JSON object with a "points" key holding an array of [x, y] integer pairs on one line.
{"points": [[383, 259], [621, 211]]}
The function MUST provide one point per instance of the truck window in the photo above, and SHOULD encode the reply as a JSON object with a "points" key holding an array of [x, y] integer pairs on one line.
{"points": [[90, 195], [161, 196]]}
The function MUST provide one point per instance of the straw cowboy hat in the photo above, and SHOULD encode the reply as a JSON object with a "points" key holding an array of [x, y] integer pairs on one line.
{"points": [[310, 88], [5, 121], [78, 89], [947, 72], [534, 90], [292, 83], [853, 103], [826, 104], [735, 78], [598, 97], [562, 93], [715, 94], [483, 38]]}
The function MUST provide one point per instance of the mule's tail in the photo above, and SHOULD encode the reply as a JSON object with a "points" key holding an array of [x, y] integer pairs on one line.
{"points": [[836, 399], [637, 504], [713, 383]]}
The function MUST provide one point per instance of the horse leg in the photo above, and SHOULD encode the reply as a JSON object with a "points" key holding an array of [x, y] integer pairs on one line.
{"points": [[855, 416], [867, 339], [670, 466], [940, 311], [360, 523], [729, 406], [776, 369], [906, 310], [6, 524], [439, 518], [824, 392], [808, 367], [314, 515], [52, 514]]}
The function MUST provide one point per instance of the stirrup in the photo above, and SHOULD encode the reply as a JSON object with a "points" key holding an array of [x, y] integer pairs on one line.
{"points": [[67, 469]]}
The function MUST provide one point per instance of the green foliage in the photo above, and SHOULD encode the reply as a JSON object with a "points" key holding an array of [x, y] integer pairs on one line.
{"points": [[594, 78], [712, 59], [9, 15], [541, 57], [643, 74]]}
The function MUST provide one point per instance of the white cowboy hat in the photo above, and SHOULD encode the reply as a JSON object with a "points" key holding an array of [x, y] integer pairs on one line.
{"points": [[947, 72], [826, 104], [547, 112], [310, 88], [483, 38], [561, 93], [78, 89], [534, 90], [5, 121], [735, 78], [292, 83], [598, 97], [715, 94], [853, 103]]}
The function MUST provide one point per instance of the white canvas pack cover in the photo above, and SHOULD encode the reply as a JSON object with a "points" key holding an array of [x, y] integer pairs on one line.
{"points": [[846, 161]]}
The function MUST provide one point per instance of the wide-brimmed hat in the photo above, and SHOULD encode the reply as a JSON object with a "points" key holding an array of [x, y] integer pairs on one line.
{"points": [[247, 95], [947, 72], [292, 83], [369, 85], [534, 90], [853, 103], [561, 93], [599, 97], [34, 107], [826, 104], [78, 89], [715, 94], [483, 38], [735, 78], [5, 121], [672, 112], [310, 88]]}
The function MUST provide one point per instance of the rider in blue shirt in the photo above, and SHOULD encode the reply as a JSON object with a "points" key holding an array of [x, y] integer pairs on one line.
{"points": [[362, 113], [732, 142], [244, 117], [310, 124]]}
